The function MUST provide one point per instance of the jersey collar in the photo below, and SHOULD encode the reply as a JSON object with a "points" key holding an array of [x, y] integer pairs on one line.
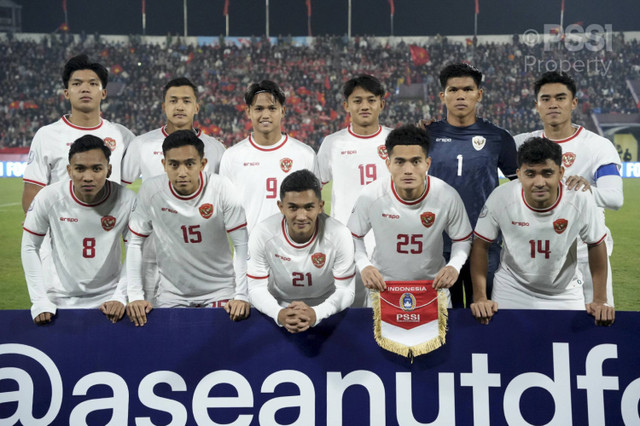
{"points": [[70, 124], [107, 193], [352, 133], [285, 232], [414, 202], [280, 144], [575, 134], [198, 132]]}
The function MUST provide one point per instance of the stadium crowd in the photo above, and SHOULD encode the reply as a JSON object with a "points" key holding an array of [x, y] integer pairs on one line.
{"points": [[312, 76]]}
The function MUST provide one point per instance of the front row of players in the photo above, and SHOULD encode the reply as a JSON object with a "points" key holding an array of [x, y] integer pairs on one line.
{"points": [[301, 263]]}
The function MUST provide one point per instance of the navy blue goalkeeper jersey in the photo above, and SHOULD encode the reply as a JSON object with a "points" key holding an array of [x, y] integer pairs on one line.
{"points": [[468, 159]]}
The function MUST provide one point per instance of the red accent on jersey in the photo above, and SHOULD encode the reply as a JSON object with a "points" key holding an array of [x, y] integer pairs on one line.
{"points": [[364, 137], [568, 158], [567, 139], [318, 259], [560, 225], [272, 148], [411, 203], [137, 233], [187, 197], [105, 198], [125, 182], [428, 218], [257, 278], [345, 278], [35, 182], [598, 242], [294, 244], [108, 222], [286, 164], [206, 210], [198, 132], [237, 227], [382, 152], [489, 240], [34, 233], [548, 209], [357, 236], [70, 124], [462, 239]]}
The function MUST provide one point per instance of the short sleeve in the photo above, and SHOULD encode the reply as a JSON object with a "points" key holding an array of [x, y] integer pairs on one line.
{"points": [[324, 162], [38, 171], [131, 163], [487, 226]]}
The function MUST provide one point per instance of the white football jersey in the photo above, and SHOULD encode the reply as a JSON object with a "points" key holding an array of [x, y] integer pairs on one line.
{"points": [[352, 162], [49, 152], [144, 155], [319, 272], [539, 246], [192, 248], [408, 234], [583, 154], [257, 172], [86, 242]]}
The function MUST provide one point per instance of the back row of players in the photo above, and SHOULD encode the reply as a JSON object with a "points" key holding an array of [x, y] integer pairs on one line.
{"points": [[301, 263]]}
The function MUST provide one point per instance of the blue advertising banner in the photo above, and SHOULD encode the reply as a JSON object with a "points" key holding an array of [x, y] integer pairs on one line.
{"points": [[195, 366]]}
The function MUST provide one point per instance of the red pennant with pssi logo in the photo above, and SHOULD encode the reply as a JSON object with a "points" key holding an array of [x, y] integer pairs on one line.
{"points": [[206, 210], [108, 222]]}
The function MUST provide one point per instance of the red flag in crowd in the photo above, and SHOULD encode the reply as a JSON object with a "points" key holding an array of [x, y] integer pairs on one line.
{"points": [[64, 27], [393, 7], [478, 6], [327, 84], [144, 8], [419, 55], [116, 69], [561, 6], [308, 7], [225, 11], [64, 6]]}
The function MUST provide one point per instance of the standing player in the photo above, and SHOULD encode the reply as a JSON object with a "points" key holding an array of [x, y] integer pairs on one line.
{"points": [[355, 157], [300, 269], [258, 164], [539, 220], [466, 153], [144, 155], [591, 161], [180, 106], [85, 86], [191, 214], [409, 213], [86, 218]]}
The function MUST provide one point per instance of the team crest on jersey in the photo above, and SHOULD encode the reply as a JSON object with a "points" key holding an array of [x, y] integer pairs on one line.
{"points": [[286, 164], [110, 143], [407, 302], [427, 219], [478, 142], [206, 210], [568, 158], [318, 259], [560, 225], [382, 152], [108, 222]]}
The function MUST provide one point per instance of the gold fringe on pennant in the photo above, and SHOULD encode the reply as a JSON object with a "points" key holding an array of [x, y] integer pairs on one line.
{"points": [[416, 350]]}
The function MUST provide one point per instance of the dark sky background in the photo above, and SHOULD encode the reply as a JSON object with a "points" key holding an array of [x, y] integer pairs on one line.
{"points": [[371, 17]]}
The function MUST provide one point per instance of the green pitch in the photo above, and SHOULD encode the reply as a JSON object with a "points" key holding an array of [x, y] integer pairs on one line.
{"points": [[624, 225]]}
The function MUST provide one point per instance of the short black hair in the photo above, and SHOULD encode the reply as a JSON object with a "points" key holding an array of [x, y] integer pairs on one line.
{"points": [[183, 138], [265, 86], [555, 77], [179, 82], [299, 181], [538, 150], [365, 81], [408, 135], [459, 70], [81, 62], [87, 143]]}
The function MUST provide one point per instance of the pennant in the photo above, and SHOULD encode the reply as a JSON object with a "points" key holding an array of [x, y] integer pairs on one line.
{"points": [[225, 12], [410, 317], [308, 7], [478, 7], [392, 6]]}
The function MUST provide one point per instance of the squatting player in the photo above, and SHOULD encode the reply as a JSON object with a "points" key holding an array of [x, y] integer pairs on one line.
{"points": [[191, 213], [300, 269], [409, 212], [539, 220], [143, 157], [355, 157], [466, 153], [591, 161], [86, 218], [258, 164]]}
